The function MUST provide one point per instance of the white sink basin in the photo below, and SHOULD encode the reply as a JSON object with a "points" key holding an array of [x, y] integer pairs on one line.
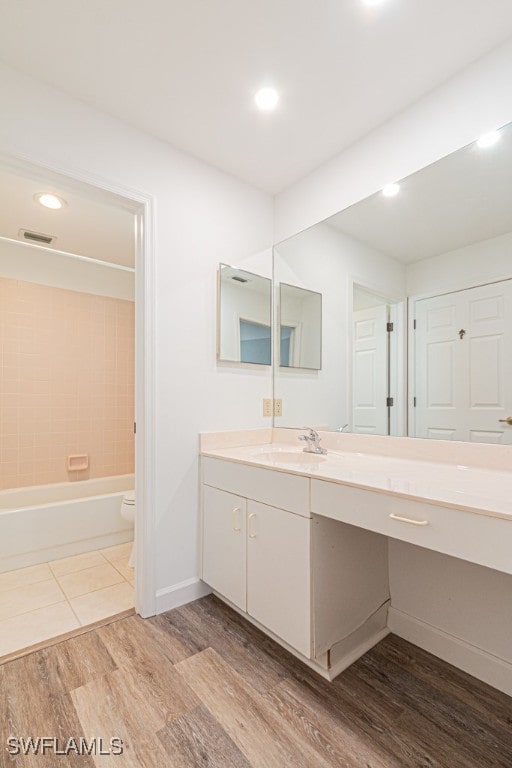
{"points": [[291, 457]]}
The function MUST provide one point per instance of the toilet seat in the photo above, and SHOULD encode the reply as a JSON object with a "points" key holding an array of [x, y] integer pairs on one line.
{"points": [[129, 498]]}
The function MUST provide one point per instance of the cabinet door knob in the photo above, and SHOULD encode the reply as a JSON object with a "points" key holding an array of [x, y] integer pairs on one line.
{"points": [[235, 519], [408, 520], [252, 535]]}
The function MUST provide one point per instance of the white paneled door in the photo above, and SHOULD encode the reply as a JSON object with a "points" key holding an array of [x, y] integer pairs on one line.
{"points": [[370, 383], [463, 365]]}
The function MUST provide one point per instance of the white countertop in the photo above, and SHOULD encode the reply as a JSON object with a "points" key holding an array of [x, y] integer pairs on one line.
{"points": [[473, 489]]}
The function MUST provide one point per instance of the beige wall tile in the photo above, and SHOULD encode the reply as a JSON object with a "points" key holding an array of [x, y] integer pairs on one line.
{"points": [[66, 383]]}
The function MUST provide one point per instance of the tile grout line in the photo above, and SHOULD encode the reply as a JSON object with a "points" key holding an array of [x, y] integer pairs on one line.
{"points": [[74, 613], [52, 577], [47, 605], [79, 570], [30, 584], [92, 591], [33, 610]]}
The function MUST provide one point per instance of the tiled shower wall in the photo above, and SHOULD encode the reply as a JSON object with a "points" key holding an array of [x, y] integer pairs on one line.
{"points": [[66, 384]]}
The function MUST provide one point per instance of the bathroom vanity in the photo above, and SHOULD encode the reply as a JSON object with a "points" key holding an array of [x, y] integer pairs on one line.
{"points": [[302, 544]]}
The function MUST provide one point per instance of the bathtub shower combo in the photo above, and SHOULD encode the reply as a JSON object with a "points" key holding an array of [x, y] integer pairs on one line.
{"points": [[48, 522]]}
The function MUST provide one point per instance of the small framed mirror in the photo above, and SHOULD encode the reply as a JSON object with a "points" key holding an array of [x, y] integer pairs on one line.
{"points": [[300, 327], [244, 317]]}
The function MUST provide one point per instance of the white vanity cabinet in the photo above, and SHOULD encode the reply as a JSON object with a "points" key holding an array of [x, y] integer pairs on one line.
{"points": [[480, 539], [257, 555], [326, 565], [278, 573], [224, 544]]}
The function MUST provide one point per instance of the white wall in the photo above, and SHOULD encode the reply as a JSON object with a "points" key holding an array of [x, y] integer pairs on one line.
{"points": [[21, 261], [326, 260], [202, 217], [467, 105], [475, 264]]}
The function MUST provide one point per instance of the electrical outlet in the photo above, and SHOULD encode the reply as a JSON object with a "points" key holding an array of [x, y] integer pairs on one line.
{"points": [[278, 407], [267, 406]]}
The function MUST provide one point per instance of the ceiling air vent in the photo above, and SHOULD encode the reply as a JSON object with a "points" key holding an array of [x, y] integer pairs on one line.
{"points": [[36, 237]]}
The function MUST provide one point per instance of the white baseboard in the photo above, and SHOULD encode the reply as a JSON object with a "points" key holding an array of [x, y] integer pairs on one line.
{"points": [[180, 594], [475, 661]]}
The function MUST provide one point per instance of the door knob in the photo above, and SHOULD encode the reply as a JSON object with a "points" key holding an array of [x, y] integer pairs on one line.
{"points": [[508, 420]]}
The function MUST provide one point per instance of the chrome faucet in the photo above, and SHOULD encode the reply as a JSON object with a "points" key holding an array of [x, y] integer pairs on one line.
{"points": [[313, 442]]}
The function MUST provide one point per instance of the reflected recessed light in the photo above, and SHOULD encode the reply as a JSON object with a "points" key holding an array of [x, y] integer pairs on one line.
{"points": [[50, 201], [390, 190], [266, 98], [488, 139], [372, 2]]}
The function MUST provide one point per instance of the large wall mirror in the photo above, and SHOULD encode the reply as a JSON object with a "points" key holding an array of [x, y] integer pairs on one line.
{"points": [[244, 317], [416, 283]]}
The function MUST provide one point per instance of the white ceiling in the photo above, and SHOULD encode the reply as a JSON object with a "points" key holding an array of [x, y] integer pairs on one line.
{"points": [[462, 199], [91, 224], [186, 71]]}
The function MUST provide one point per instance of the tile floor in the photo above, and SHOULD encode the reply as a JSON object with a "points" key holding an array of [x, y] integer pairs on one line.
{"points": [[43, 601]]}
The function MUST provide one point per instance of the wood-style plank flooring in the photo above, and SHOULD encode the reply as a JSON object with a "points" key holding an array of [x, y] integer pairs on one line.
{"points": [[201, 687]]}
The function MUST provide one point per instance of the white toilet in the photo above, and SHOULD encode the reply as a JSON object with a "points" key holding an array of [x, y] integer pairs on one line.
{"points": [[128, 513]]}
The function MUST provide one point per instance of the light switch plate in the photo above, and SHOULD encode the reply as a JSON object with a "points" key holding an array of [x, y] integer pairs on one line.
{"points": [[267, 406], [278, 407]]}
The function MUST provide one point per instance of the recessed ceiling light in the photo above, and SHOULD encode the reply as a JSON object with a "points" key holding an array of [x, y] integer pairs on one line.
{"points": [[488, 139], [390, 190], [50, 201], [266, 99], [372, 2]]}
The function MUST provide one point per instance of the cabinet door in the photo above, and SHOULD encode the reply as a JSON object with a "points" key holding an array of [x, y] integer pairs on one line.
{"points": [[278, 573], [224, 544]]}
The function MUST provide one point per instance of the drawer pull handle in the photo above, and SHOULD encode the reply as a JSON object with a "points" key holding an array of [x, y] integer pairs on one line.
{"points": [[252, 535], [235, 520], [408, 520]]}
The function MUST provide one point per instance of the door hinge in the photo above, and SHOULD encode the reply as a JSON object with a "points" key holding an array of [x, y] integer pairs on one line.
{"points": [[389, 401], [414, 402], [134, 427], [414, 324], [389, 327]]}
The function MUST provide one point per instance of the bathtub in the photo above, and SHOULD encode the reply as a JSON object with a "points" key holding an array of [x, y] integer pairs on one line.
{"points": [[47, 522]]}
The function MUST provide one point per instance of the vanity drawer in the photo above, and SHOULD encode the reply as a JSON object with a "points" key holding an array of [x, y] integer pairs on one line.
{"points": [[477, 538], [277, 489]]}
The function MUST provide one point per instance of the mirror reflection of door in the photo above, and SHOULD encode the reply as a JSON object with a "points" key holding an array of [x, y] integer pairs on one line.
{"points": [[463, 365], [371, 368]]}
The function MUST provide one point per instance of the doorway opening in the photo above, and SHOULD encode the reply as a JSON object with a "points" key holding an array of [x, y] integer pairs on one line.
{"points": [[71, 327]]}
